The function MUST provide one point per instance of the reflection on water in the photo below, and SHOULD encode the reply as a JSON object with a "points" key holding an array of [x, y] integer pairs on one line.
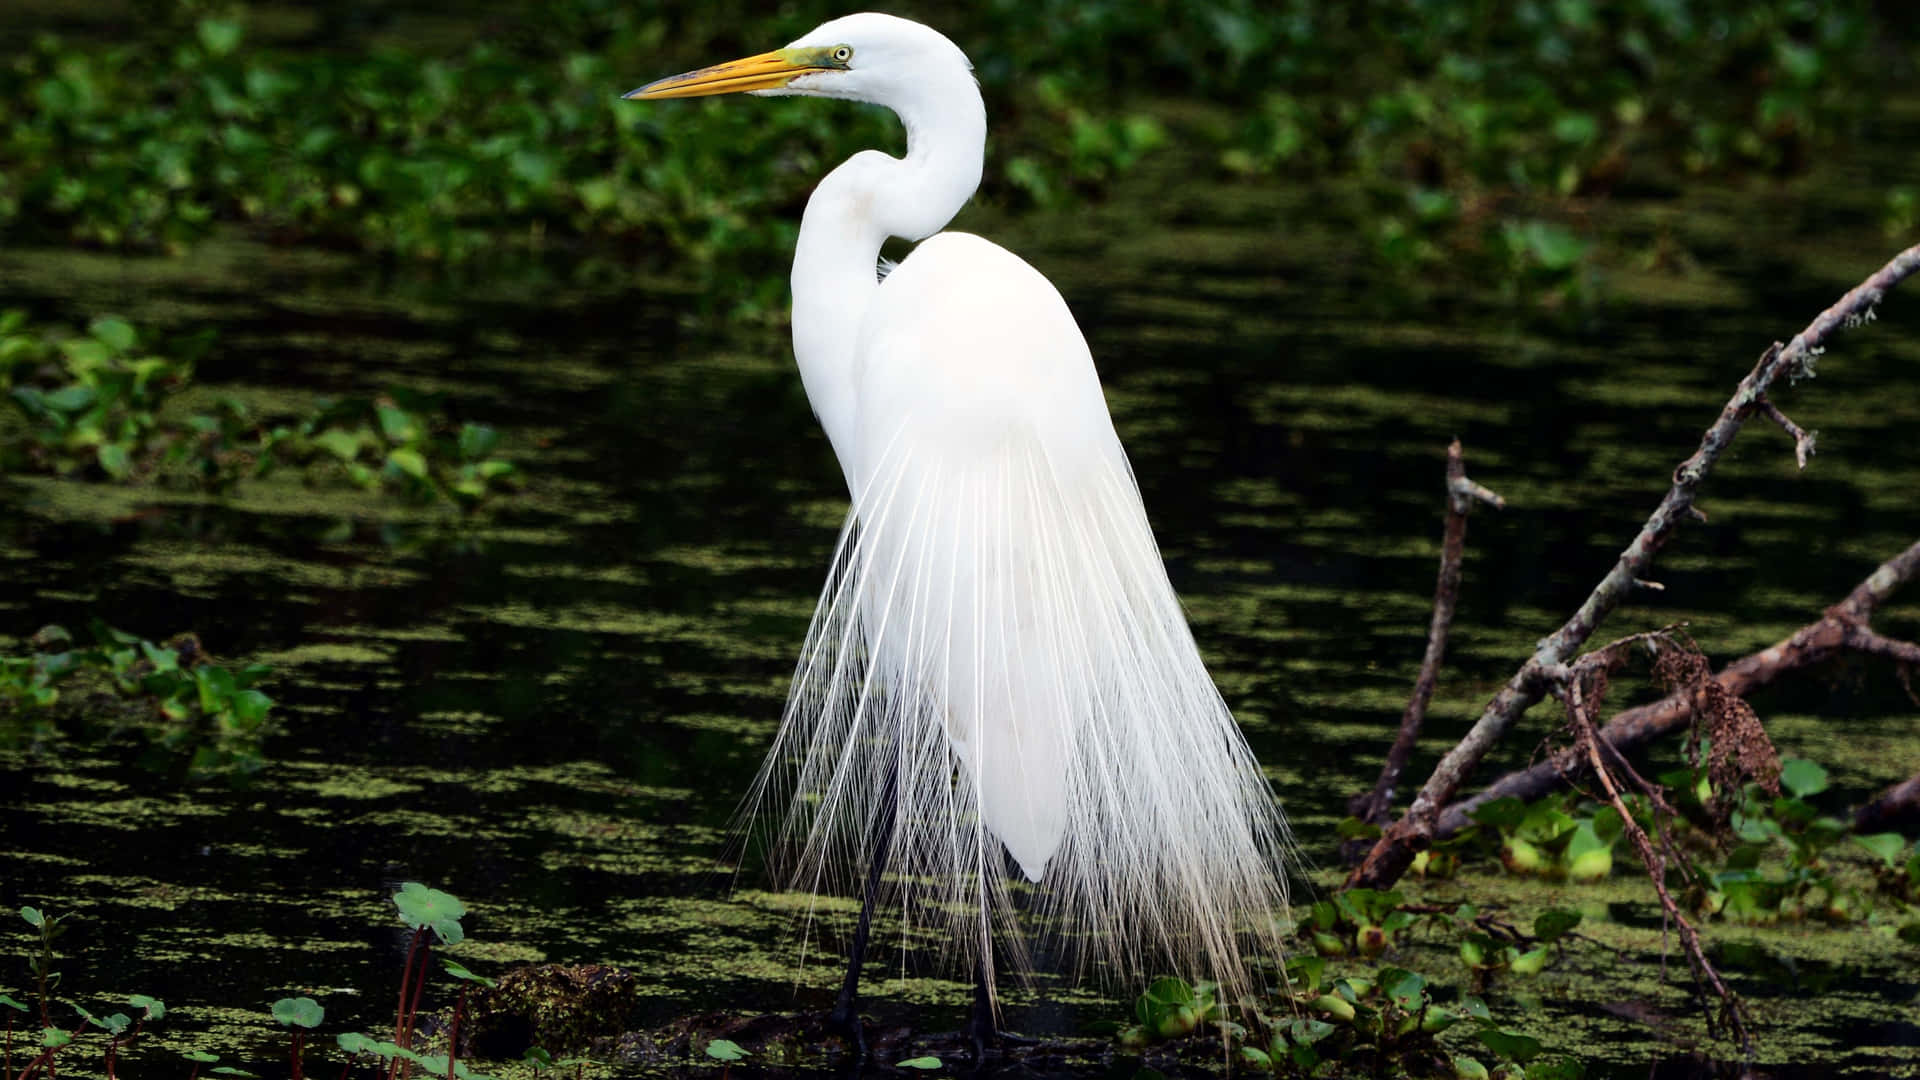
{"points": [[553, 714]]}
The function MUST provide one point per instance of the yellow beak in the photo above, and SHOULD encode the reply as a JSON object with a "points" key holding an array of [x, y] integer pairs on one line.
{"points": [[767, 71]]}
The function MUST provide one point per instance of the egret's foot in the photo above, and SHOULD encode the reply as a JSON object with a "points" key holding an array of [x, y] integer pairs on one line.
{"points": [[983, 1032], [845, 1021]]}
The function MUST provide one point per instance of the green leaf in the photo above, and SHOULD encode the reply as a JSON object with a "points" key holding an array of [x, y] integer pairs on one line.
{"points": [[1406, 989], [1502, 813], [1559, 1068], [1306, 968], [1802, 777], [250, 707], [477, 441], [298, 1012], [1352, 828], [409, 461], [1545, 823], [420, 906], [1886, 845], [114, 460], [919, 1063], [344, 445], [1475, 1008], [33, 916], [396, 424], [11, 1003], [355, 1043], [1305, 1030], [1170, 991], [201, 1056], [228, 1070], [114, 1024], [114, 333], [53, 1038], [219, 36], [1553, 923], [71, 398], [725, 1050], [459, 971], [1509, 1044]]}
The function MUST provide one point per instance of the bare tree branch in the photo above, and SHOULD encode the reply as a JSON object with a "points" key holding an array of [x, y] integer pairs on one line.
{"points": [[1897, 804], [1590, 671], [1395, 849], [1461, 494], [1834, 632]]}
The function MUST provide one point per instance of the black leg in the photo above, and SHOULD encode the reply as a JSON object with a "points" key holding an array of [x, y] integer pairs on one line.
{"points": [[982, 1031], [845, 1016]]}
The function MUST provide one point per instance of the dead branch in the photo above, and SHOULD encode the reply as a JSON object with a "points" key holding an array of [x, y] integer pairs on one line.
{"points": [[1461, 495], [1844, 626], [1591, 672], [1891, 808], [1395, 849]]}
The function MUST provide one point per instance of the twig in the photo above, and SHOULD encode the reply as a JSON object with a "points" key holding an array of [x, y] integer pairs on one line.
{"points": [[1461, 494], [1396, 847], [1802, 440], [1843, 626], [1579, 716]]}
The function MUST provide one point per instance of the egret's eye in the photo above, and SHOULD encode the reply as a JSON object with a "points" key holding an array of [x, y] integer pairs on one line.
{"points": [[842, 54]]}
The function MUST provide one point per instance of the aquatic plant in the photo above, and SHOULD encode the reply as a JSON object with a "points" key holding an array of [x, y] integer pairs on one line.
{"points": [[91, 401], [121, 1030], [173, 691], [96, 405], [1449, 129], [1385, 1023]]}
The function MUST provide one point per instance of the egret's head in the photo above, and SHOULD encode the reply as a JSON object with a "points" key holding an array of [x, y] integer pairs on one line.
{"points": [[865, 57]]}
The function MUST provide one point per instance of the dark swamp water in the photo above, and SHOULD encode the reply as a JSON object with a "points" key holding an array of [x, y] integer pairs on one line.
{"points": [[553, 713]]}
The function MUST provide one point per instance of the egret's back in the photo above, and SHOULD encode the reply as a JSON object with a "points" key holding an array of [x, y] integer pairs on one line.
{"points": [[999, 633]]}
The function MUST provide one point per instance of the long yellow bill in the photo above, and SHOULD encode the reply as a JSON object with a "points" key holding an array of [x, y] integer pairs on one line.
{"points": [[767, 71]]}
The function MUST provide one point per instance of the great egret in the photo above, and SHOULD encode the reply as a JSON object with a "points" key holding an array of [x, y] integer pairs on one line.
{"points": [[998, 659]]}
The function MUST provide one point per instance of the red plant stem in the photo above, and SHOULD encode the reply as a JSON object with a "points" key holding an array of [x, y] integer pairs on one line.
{"points": [[406, 973], [194, 1073], [419, 984], [453, 1033], [343, 1069], [297, 1036]]}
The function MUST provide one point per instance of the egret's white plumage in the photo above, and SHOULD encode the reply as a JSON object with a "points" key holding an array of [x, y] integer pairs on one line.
{"points": [[998, 631]]}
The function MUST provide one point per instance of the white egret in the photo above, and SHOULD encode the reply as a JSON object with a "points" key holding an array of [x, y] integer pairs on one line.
{"points": [[998, 659]]}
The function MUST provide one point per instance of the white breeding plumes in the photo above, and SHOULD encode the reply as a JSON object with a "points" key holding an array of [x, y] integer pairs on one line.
{"points": [[997, 647]]}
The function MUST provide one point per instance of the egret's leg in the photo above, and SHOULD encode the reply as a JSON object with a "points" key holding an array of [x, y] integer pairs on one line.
{"points": [[846, 1008], [982, 1031]]}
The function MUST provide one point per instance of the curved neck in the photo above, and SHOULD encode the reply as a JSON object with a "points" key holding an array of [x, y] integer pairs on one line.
{"points": [[870, 197]]}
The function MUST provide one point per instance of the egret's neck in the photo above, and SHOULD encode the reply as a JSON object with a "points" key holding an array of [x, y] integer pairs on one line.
{"points": [[870, 197]]}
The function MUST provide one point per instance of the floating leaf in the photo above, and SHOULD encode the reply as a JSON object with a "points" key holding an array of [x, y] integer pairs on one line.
{"points": [[725, 1050], [201, 1056], [919, 1063], [1509, 1044], [1887, 846], [1553, 923], [1803, 777], [355, 1043]]}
